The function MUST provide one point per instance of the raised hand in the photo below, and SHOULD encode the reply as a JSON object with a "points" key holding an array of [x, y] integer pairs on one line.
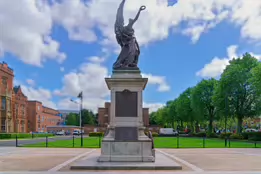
{"points": [[142, 8]]}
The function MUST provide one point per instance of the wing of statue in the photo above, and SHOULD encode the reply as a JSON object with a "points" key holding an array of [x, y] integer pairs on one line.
{"points": [[119, 23]]}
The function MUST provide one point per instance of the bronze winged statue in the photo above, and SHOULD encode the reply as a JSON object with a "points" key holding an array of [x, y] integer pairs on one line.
{"points": [[130, 50]]}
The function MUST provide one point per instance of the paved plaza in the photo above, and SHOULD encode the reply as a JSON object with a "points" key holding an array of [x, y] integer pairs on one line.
{"points": [[194, 161]]}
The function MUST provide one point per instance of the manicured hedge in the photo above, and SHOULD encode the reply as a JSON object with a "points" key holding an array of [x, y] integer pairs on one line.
{"points": [[154, 134], [96, 134], [236, 136], [22, 135], [254, 136], [225, 135], [212, 135]]}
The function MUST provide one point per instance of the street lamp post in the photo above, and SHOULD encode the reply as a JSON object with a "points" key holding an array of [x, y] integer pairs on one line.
{"points": [[80, 115]]}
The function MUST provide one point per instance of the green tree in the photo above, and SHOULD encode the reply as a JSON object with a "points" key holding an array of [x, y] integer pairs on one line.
{"points": [[72, 119], [88, 117], [184, 109], [152, 119], [202, 103], [235, 94]]}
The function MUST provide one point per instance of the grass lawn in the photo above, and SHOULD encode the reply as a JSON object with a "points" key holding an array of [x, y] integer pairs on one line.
{"points": [[160, 142]]}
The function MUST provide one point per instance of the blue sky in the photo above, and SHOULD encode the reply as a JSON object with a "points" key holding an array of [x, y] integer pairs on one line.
{"points": [[66, 47]]}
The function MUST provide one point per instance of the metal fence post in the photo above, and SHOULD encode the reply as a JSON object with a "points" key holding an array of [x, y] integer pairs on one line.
{"points": [[177, 141], [32, 135], [255, 144], [46, 142], [16, 141], [73, 140], [204, 141], [229, 142], [99, 141]]}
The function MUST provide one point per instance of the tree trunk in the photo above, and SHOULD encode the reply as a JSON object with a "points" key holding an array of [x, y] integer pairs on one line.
{"points": [[239, 124]]}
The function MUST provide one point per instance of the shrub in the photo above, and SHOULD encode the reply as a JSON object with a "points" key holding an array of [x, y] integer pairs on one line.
{"points": [[200, 134], [182, 132], [254, 136], [225, 135], [23, 135], [5, 136], [96, 134], [212, 135], [236, 136]]}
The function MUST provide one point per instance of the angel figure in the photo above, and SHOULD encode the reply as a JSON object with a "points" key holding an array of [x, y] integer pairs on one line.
{"points": [[130, 50]]}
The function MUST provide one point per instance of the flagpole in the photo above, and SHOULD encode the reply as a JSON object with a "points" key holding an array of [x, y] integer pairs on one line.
{"points": [[81, 120]]}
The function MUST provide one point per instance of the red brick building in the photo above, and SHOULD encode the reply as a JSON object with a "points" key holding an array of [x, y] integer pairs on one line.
{"points": [[6, 89], [19, 108], [104, 115], [41, 117]]}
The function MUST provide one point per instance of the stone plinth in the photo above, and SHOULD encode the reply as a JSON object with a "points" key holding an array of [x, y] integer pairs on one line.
{"points": [[162, 162], [126, 140]]}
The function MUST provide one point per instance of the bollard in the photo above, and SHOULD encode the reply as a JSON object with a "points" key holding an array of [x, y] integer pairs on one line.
{"points": [[73, 140], [16, 141], [178, 141], [46, 142], [99, 141]]}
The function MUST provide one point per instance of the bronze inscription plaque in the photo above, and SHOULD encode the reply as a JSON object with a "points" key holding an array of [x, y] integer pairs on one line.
{"points": [[126, 104], [126, 133]]}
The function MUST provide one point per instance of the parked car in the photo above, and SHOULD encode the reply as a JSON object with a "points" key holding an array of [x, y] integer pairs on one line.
{"points": [[60, 133], [251, 130]]}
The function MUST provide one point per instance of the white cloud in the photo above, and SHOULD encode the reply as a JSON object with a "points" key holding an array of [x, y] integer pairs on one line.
{"points": [[217, 65], [153, 107], [196, 17], [89, 78], [25, 32], [158, 80], [30, 82], [62, 69], [96, 59], [39, 94]]}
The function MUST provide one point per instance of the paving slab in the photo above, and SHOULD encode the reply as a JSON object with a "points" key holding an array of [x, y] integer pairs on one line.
{"points": [[220, 159], [162, 162]]}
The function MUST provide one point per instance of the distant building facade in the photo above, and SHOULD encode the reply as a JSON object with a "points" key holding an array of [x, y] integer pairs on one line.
{"points": [[6, 89], [19, 108], [41, 117], [104, 115]]}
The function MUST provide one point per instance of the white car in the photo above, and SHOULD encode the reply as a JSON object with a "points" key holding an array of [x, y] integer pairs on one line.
{"points": [[60, 133], [251, 130]]}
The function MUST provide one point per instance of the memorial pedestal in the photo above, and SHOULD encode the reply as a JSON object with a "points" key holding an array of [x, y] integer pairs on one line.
{"points": [[126, 140]]}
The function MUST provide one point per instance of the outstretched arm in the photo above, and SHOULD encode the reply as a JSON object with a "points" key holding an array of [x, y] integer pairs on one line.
{"points": [[138, 14]]}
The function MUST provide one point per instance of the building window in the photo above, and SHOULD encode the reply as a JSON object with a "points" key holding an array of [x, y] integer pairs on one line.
{"points": [[3, 125], [38, 108], [3, 103], [4, 81]]}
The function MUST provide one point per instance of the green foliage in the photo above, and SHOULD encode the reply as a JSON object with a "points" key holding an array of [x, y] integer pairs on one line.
{"points": [[236, 136], [212, 135], [154, 134], [96, 134], [88, 118], [72, 119], [22, 135], [254, 136], [200, 134], [202, 103], [225, 135], [235, 94]]}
